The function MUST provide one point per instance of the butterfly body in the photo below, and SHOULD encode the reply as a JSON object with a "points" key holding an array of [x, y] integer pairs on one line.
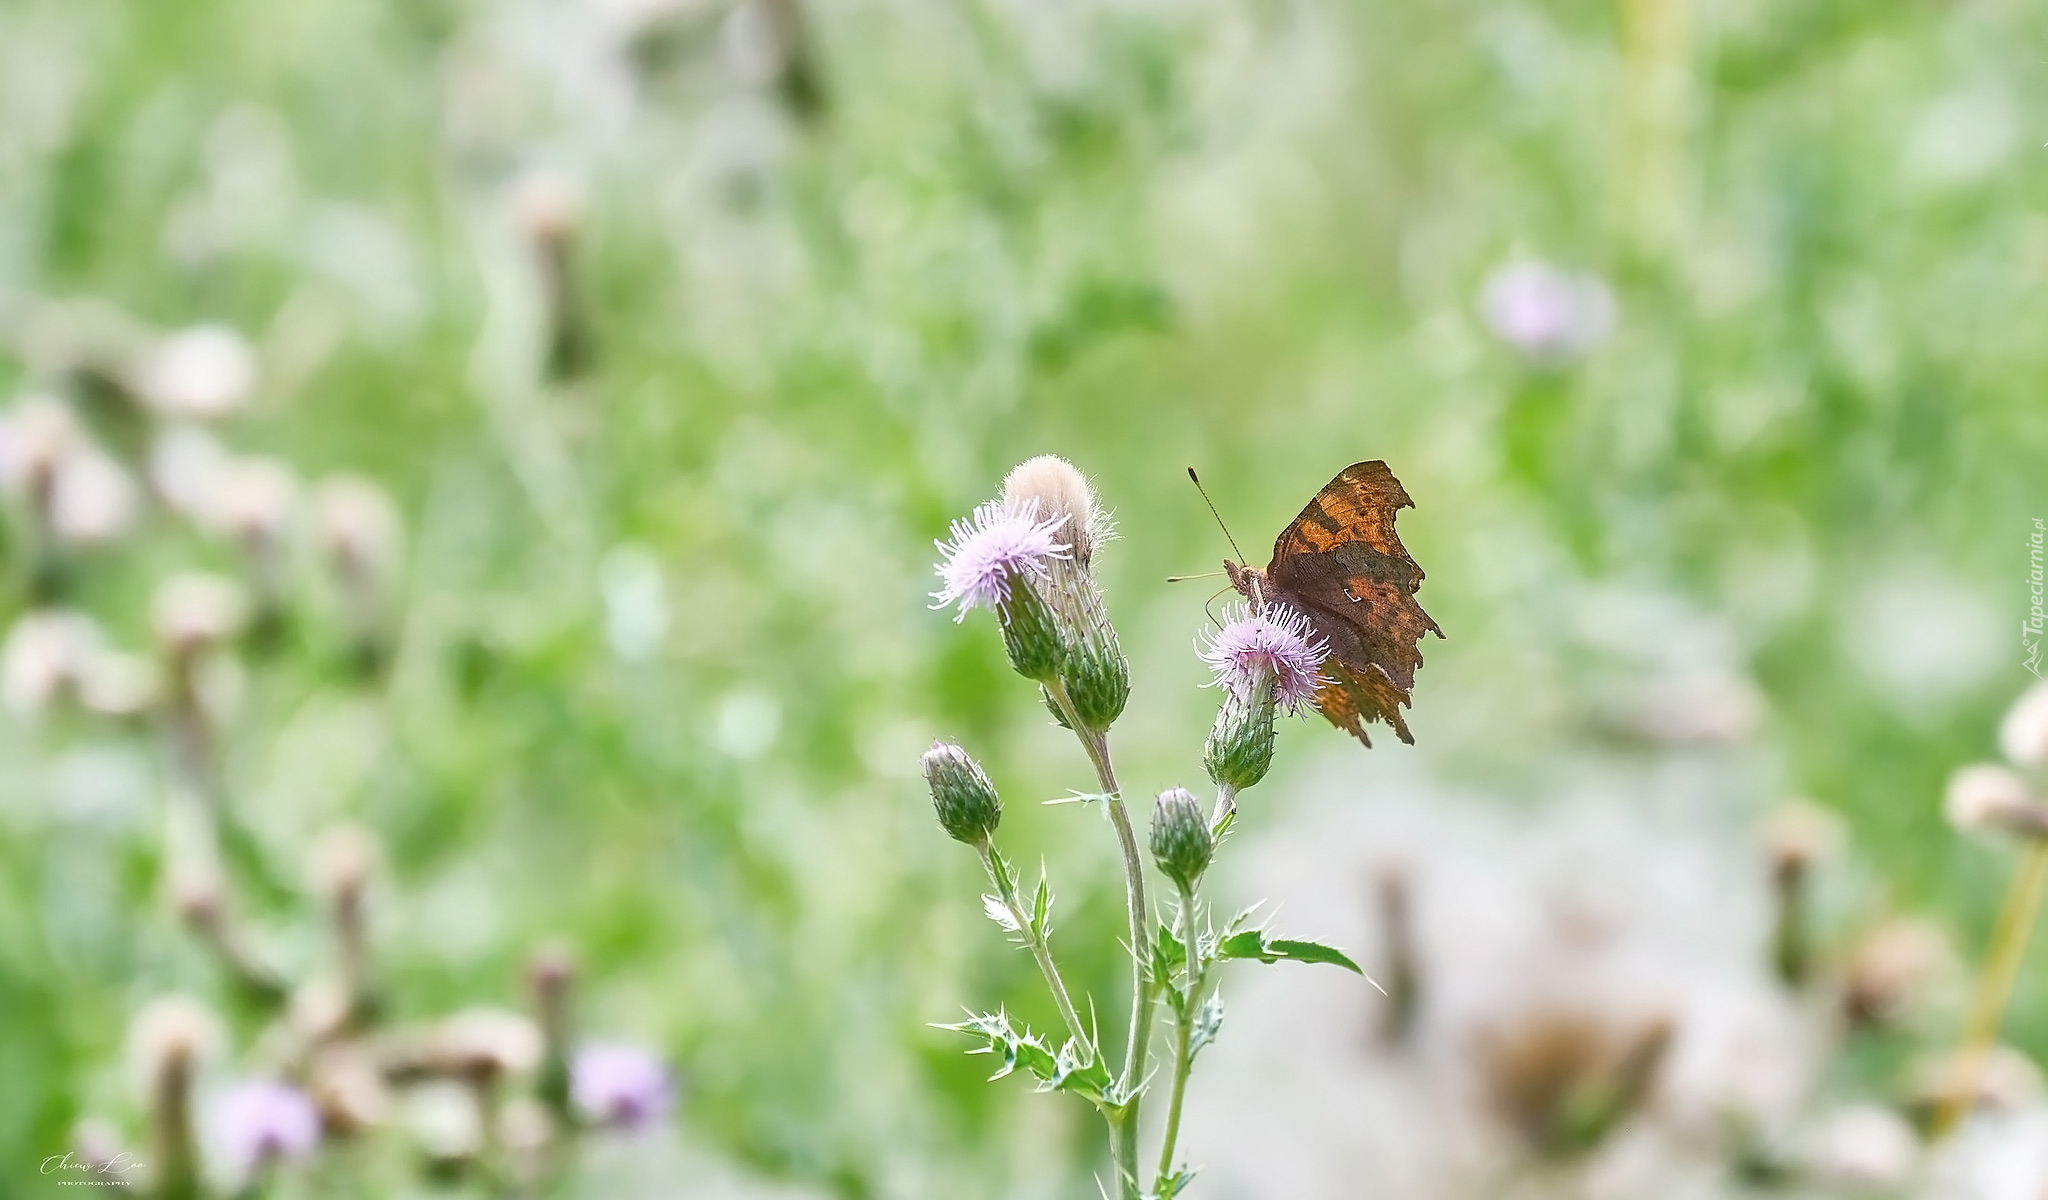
{"points": [[1341, 565]]}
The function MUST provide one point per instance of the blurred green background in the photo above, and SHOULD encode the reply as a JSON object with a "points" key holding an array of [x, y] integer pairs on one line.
{"points": [[665, 663]]}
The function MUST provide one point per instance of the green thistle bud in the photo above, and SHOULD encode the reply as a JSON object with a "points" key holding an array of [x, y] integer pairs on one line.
{"points": [[1098, 680], [1031, 634], [1181, 844], [1240, 746], [966, 801]]}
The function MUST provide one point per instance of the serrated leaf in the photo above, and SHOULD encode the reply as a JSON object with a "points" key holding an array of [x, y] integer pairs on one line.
{"points": [[1169, 954], [1251, 943], [1166, 1187], [1208, 1023], [999, 872], [1025, 1049], [998, 912], [1041, 908]]}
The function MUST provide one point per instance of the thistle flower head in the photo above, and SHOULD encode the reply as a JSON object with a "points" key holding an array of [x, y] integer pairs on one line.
{"points": [[257, 1123], [1003, 544], [1052, 486], [1276, 643], [622, 1086], [1544, 313]]}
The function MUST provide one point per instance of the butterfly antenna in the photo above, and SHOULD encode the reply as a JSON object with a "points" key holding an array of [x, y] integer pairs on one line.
{"points": [[1185, 578], [1210, 612], [1197, 481]]}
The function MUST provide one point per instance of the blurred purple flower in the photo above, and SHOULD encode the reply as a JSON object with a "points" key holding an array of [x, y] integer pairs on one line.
{"points": [[1003, 542], [1545, 313], [259, 1122], [1277, 641], [619, 1085]]}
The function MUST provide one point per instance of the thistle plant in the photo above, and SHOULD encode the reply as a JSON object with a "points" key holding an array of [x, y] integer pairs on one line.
{"points": [[1028, 557]]}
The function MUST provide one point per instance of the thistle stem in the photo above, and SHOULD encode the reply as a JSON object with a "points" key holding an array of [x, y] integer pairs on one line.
{"points": [[1184, 1026], [1994, 985], [1040, 949], [1124, 1141]]}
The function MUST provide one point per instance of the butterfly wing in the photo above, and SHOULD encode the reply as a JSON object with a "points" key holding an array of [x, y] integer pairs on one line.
{"points": [[1341, 563]]}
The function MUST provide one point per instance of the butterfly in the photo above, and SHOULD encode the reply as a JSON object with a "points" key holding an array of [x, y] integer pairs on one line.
{"points": [[1341, 565]]}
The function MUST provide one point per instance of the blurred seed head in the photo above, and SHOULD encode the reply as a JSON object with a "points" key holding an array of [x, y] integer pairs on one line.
{"points": [[1891, 969], [318, 1010], [344, 858], [1863, 1147], [965, 800], [1799, 836], [199, 895], [173, 1033], [1986, 796], [2023, 734], [445, 1118], [1564, 1080], [194, 612], [185, 467], [348, 1087], [357, 527], [200, 373], [1181, 842], [92, 499], [39, 436], [486, 1042], [2005, 1079], [255, 501], [46, 660], [118, 685], [547, 207]]}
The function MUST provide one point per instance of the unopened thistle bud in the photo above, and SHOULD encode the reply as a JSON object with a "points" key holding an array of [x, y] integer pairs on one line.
{"points": [[1181, 844], [999, 560], [966, 801], [1239, 751]]}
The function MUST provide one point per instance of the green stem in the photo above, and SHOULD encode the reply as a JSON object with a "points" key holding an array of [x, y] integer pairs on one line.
{"points": [[1184, 1026], [1994, 985], [1123, 1151], [1124, 1140], [1040, 949]]}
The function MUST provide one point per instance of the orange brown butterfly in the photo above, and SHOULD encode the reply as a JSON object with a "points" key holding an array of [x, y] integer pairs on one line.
{"points": [[1341, 565]]}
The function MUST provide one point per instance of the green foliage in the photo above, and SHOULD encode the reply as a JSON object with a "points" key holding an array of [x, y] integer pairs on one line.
{"points": [[1251, 943]]}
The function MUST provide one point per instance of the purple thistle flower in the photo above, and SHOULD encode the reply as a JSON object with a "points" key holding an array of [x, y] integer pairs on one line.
{"points": [[1546, 313], [619, 1085], [258, 1122], [1277, 642], [1003, 542]]}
